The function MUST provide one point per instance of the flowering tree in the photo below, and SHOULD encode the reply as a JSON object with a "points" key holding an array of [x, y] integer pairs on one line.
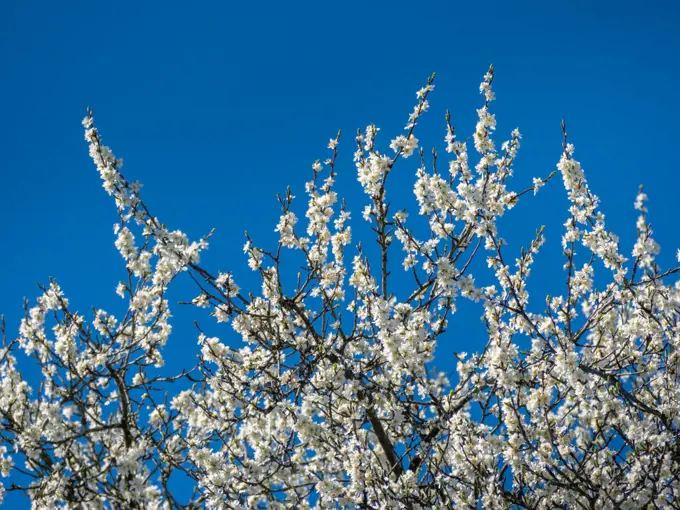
{"points": [[333, 401]]}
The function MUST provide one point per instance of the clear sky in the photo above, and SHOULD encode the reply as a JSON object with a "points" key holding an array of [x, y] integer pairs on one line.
{"points": [[217, 106]]}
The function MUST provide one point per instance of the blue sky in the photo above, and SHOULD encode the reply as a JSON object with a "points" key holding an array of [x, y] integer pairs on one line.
{"points": [[218, 106]]}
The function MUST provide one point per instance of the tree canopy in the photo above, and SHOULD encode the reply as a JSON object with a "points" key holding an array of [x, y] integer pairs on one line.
{"points": [[332, 399]]}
